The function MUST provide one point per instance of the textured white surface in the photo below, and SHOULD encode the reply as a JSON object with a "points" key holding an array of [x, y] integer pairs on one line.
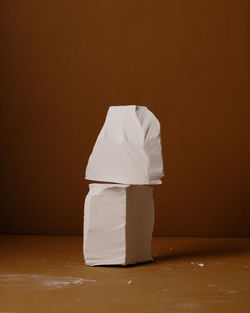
{"points": [[128, 148], [118, 224]]}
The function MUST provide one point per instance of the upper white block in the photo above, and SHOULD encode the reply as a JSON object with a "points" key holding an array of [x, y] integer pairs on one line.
{"points": [[128, 148]]}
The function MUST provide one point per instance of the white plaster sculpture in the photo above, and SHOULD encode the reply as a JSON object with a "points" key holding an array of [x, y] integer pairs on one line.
{"points": [[119, 218], [118, 224], [128, 148]]}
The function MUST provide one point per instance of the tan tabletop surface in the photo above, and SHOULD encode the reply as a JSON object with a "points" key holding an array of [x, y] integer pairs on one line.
{"points": [[47, 274]]}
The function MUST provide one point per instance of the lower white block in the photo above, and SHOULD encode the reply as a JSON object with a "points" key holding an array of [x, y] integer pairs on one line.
{"points": [[118, 224]]}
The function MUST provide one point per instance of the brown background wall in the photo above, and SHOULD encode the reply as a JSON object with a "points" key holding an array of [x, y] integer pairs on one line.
{"points": [[64, 62]]}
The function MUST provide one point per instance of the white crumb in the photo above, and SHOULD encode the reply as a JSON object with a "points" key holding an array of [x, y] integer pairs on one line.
{"points": [[199, 264]]}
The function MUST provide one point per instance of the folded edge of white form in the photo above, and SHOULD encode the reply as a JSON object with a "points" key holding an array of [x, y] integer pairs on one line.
{"points": [[118, 224], [128, 149]]}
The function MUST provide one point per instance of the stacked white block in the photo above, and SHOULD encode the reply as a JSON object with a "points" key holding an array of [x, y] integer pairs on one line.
{"points": [[119, 215], [118, 224], [128, 148]]}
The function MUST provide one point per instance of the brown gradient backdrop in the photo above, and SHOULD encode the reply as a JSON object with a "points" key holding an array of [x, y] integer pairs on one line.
{"points": [[64, 62]]}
